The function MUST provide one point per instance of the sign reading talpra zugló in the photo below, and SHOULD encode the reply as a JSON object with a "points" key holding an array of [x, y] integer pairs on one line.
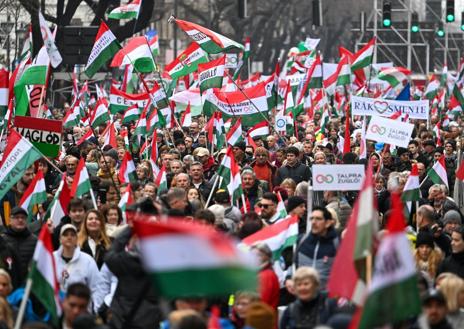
{"points": [[337, 177], [387, 107], [390, 131]]}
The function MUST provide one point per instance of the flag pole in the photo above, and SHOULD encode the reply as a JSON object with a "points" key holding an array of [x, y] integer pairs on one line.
{"points": [[22, 307], [92, 195], [212, 191]]}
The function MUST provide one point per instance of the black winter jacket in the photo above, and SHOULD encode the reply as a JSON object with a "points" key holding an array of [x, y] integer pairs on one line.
{"points": [[299, 172]]}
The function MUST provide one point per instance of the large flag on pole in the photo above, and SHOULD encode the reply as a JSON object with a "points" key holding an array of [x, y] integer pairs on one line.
{"points": [[59, 205], [211, 74], [437, 173], [357, 244], [49, 42], [187, 62], [19, 154], [105, 47], [137, 52], [81, 182], [208, 40], [394, 291], [230, 172], [36, 193], [127, 173], [43, 275], [219, 267]]}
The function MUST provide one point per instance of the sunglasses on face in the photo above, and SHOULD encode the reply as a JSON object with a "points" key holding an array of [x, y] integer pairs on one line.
{"points": [[264, 206]]}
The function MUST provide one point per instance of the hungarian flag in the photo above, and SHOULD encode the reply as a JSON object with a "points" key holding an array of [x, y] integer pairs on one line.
{"points": [[432, 88], [137, 52], [35, 194], [234, 135], [230, 172], [394, 75], [211, 74], [19, 154], [129, 11], [49, 42], [393, 293], [345, 279], [109, 136], [277, 236], [126, 200], [43, 275], [105, 47], [154, 153], [187, 62], [161, 181], [81, 182], [153, 41], [363, 58], [237, 104], [131, 114], [141, 125], [209, 41], [313, 78], [100, 115], [58, 208], [158, 96], [127, 173], [437, 173], [281, 210], [121, 101], [260, 129], [186, 119], [4, 92], [219, 267], [86, 137], [344, 71], [411, 190]]}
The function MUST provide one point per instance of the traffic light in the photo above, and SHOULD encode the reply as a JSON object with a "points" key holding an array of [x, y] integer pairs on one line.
{"points": [[450, 11], [317, 13], [386, 14], [462, 21], [242, 8], [440, 30], [414, 22]]}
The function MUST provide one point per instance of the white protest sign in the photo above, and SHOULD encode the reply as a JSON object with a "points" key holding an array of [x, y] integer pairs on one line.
{"points": [[231, 61], [390, 131], [387, 107], [281, 123], [337, 177]]}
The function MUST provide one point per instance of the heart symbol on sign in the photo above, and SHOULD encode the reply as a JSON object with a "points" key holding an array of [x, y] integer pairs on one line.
{"points": [[381, 106]]}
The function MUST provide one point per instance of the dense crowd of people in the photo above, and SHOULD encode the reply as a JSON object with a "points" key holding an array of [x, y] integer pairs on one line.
{"points": [[101, 278]]}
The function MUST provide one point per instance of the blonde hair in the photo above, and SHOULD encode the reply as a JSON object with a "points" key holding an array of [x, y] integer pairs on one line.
{"points": [[83, 234], [451, 287], [289, 183], [8, 277], [251, 295], [6, 315], [433, 261], [306, 272]]}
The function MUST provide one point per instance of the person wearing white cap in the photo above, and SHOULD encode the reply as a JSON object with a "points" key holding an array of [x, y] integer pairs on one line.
{"points": [[72, 265]]}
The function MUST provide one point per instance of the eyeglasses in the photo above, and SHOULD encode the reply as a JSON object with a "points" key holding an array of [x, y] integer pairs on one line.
{"points": [[261, 155], [265, 206]]}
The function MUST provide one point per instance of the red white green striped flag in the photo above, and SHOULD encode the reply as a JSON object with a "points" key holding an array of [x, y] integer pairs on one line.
{"points": [[394, 75], [344, 71], [237, 104], [313, 79], [105, 47], [127, 173], [35, 194], [357, 244], [211, 74], [81, 182], [234, 135], [109, 136], [72, 117], [86, 137], [394, 291], [260, 129], [219, 268], [126, 200], [43, 275], [363, 58], [4, 92], [141, 125], [187, 62], [59, 205], [208, 40], [128, 11], [121, 101], [411, 190], [137, 52], [277, 236], [161, 180], [437, 173], [432, 88], [154, 153], [186, 119], [158, 96], [100, 115], [131, 114], [19, 154], [230, 172]]}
